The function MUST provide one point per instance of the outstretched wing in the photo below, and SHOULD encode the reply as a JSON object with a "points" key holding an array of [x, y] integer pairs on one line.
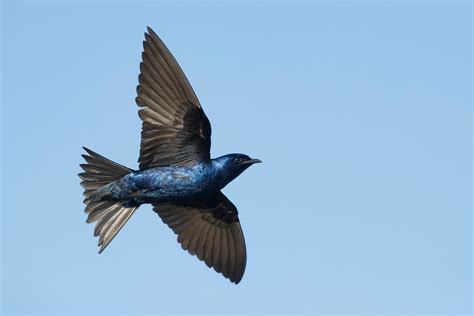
{"points": [[175, 130], [209, 228]]}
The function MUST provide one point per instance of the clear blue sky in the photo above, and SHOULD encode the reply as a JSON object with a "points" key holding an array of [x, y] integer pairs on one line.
{"points": [[361, 112]]}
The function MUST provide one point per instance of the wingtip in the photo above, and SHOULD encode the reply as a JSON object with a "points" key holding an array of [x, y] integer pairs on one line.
{"points": [[149, 30], [236, 280], [90, 152], [149, 33]]}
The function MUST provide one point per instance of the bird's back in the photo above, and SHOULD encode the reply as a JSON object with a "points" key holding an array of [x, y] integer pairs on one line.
{"points": [[164, 184]]}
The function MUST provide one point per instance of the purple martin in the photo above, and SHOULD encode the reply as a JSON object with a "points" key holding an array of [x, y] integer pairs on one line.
{"points": [[176, 173]]}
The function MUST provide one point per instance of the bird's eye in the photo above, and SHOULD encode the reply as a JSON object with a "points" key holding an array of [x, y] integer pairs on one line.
{"points": [[238, 159]]}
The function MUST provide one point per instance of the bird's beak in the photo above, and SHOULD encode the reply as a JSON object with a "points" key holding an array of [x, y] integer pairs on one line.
{"points": [[252, 161]]}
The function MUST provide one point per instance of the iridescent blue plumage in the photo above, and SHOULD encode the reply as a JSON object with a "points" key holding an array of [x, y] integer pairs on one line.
{"points": [[166, 184], [176, 174]]}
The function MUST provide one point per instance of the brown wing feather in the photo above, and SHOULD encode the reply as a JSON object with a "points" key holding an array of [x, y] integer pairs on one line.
{"points": [[210, 229], [175, 129]]}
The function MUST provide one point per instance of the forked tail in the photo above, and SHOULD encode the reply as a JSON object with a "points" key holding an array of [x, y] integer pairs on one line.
{"points": [[110, 215]]}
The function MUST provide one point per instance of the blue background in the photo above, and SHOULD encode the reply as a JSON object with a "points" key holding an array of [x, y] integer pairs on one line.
{"points": [[361, 112]]}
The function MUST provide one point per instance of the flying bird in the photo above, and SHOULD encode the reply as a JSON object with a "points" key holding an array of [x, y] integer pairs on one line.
{"points": [[176, 174]]}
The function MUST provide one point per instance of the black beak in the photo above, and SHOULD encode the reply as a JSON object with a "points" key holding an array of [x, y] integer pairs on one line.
{"points": [[252, 161]]}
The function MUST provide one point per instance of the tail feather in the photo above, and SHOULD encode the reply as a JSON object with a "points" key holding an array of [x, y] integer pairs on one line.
{"points": [[110, 215]]}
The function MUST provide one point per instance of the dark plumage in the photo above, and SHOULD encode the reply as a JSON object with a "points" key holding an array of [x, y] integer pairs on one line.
{"points": [[176, 174]]}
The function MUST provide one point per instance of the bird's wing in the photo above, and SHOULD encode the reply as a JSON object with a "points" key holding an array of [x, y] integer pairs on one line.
{"points": [[175, 130], [209, 228]]}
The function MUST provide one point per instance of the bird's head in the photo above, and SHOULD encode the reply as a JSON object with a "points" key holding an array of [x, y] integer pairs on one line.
{"points": [[234, 164]]}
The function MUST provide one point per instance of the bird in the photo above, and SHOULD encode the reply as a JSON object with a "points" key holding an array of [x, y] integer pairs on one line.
{"points": [[176, 174]]}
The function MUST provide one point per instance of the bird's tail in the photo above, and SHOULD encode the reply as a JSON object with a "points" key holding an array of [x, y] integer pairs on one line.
{"points": [[110, 215]]}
